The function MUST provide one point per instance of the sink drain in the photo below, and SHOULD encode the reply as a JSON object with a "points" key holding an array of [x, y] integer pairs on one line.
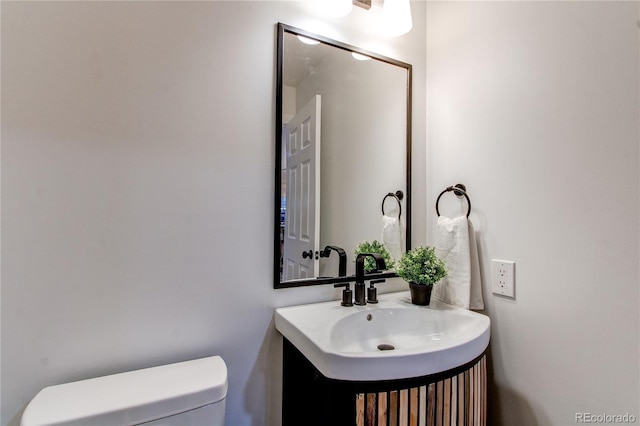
{"points": [[386, 347]]}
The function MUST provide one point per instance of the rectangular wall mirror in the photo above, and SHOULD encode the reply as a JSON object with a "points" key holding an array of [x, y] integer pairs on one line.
{"points": [[343, 145]]}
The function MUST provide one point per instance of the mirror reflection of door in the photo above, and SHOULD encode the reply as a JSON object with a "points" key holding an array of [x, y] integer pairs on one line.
{"points": [[302, 165]]}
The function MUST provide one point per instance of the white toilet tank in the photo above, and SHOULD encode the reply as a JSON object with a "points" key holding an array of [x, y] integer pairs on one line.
{"points": [[182, 394]]}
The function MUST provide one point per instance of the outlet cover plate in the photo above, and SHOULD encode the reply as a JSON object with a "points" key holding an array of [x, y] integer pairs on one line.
{"points": [[503, 277]]}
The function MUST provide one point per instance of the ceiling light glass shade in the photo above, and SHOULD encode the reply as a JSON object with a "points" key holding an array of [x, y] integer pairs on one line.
{"points": [[396, 17], [337, 8]]}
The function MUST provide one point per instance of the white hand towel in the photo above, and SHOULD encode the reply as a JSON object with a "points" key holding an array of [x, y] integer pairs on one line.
{"points": [[456, 245], [392, 236], [475, 301]]}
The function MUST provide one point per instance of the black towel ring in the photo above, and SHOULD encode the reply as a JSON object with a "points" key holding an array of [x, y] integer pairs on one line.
{"points": [[459, 190], [398, 195]]}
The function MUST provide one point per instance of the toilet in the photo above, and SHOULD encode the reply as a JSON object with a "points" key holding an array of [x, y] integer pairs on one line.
{"points": [[181, 394]]}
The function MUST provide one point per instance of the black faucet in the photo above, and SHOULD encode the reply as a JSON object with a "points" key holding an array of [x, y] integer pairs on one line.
{"points": [[342, 266], [380, 265]]}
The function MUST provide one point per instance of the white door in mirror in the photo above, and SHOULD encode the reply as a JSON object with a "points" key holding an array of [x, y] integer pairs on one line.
{"points": [[302, 225]]}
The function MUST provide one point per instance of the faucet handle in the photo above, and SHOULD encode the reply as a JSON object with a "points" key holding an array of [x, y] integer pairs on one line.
{"points": [[372, 292], [347, 294]]}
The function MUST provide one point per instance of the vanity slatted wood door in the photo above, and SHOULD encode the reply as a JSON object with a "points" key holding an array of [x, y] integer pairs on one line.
{"points": [[455, 401]]}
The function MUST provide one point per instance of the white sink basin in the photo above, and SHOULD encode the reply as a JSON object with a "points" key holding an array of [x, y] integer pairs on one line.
{"points": [[393, 339]]}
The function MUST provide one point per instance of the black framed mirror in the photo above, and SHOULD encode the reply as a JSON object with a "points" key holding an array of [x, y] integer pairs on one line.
{"points": [[343, 155]]}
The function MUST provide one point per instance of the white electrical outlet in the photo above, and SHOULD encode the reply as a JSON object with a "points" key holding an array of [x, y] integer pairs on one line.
{"points": [[504, 277]]}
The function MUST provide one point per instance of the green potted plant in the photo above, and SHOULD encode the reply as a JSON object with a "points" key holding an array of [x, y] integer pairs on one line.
{"points": [[374, 247], [421, 268]]}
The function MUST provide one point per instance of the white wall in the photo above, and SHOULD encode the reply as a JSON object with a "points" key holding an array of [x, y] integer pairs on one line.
{"points": [[535, 107], [137, 182]]}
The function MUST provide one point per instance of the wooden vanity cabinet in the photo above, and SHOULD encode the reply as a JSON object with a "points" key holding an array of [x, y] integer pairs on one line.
{"points": [[454, 397]]}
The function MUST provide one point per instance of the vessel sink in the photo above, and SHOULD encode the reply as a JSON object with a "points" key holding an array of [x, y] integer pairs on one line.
{"points": [[393, 339]]}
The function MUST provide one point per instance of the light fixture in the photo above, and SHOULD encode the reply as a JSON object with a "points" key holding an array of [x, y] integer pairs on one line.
{"points": [[337, 8], [365, 4], [396, 17]]}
